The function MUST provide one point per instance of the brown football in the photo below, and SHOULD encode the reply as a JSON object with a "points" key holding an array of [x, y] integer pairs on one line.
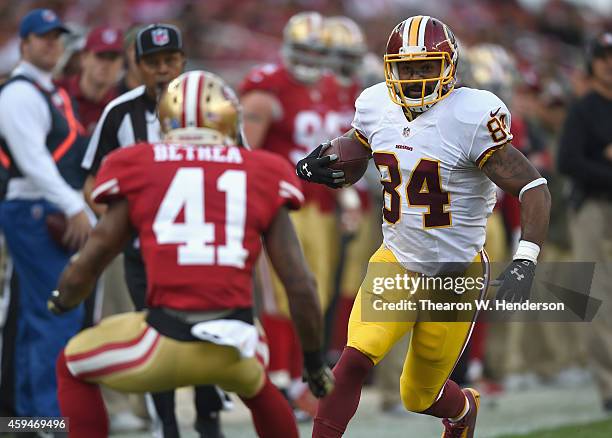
{"points": [[353, 158]]}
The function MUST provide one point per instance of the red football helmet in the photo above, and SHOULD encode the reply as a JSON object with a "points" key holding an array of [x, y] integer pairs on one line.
{"points": [[421, 38]]}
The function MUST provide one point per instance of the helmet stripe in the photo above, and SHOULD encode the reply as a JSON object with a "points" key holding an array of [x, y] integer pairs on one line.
{"points": [[405, 31], [191, 99], [421, 33], [200, 103], [414, 30], [183, 106]]}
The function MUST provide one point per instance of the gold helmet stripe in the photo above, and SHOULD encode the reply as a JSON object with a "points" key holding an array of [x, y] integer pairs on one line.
{"points": [[414, 30]]}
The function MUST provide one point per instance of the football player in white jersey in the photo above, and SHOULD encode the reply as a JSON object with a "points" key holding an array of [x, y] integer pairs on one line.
{"points": [[439, 150]]}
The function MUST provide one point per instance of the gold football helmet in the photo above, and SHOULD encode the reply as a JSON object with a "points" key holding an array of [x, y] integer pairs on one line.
{"points": [[346, 47], [198, 107], [303, 48]]}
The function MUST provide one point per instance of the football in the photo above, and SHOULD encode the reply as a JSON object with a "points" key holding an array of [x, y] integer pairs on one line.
{"points": [[353, 158]]}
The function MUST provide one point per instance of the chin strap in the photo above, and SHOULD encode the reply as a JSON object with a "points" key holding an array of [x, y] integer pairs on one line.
{"points": [[408, 114]]}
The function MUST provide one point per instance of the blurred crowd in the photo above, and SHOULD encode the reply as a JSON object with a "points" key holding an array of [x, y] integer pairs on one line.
{"points": [[226, 36], [532, 56]]}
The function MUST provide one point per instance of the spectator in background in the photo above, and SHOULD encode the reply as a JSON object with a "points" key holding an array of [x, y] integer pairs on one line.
{"points": [[131, 79], [101, 62], [42, 149], [585, 155], [96, 85]]}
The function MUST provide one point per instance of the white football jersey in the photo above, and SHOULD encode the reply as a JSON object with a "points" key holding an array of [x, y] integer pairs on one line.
{"points": [[436, 197]]}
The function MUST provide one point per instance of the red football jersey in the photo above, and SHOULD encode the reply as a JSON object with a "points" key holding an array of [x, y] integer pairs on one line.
{"points": [[200, 212], [309, 116]]}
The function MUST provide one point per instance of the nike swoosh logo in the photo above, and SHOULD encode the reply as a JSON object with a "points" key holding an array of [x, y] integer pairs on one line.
{"points": [[493, 114]]}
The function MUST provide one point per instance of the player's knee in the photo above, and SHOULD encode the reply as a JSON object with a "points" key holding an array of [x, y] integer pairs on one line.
{"points": [[371, 342], [253, 379], [415, 399]]}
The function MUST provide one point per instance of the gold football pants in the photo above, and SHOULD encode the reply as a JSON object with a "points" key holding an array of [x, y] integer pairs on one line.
{"points": [[435, 347], [124, 353]]}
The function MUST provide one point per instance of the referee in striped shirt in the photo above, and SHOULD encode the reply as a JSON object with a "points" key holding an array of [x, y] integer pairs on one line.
{"points": [[129, 119]]}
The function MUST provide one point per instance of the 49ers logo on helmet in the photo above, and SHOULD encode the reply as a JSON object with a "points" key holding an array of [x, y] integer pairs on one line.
{"points": [[160, 37]]}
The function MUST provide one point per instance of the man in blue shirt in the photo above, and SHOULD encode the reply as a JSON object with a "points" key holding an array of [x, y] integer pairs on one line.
{"points": [[40, 150]]}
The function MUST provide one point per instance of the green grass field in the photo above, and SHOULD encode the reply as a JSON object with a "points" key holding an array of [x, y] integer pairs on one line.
{"points": [[545, 412], [600, 429]]}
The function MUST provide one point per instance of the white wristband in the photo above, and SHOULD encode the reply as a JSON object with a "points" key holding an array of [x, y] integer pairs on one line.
{"points": [[527, 251], [531, 185]]}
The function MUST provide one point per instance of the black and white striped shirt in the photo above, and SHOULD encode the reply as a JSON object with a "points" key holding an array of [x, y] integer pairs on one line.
{"points": [[128, 119]]}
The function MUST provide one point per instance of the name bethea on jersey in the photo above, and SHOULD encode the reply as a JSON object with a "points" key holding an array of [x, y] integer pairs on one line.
{"points": [[176, 152]]}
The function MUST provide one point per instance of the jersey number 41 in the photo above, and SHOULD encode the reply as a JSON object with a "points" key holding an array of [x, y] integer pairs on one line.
{"points": [[195, 236]]}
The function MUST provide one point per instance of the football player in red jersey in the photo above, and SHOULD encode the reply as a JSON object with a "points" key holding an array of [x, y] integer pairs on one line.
{"points": [[201, 206], [289, 109]]}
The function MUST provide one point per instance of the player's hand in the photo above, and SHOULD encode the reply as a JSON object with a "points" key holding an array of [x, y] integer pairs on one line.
{"points": [[317, 374], [314, 168], [77, 230], [320, 381], [514, 284], [55, 306]]}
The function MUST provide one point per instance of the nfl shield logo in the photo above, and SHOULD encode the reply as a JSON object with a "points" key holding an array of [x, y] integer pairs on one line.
{"points": [[406, 131], [160, 37], [48, 15]]}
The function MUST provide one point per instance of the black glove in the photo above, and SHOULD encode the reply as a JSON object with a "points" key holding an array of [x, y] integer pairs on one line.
{"points": [[55, 306], [319, 377], [313, 168], [515, 282]]}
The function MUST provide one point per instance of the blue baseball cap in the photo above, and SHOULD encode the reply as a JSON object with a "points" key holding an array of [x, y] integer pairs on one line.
{"points": [[39, 22]]}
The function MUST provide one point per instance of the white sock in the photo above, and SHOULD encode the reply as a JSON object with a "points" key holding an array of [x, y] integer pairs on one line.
{"points": [[463, 413]]}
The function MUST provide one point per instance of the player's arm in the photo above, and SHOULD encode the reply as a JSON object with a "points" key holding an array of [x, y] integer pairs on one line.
{"points": [[286, 256], [102, 142], [513, 173], [314, 168], [260, 109], [106, 241], [88, 187]]}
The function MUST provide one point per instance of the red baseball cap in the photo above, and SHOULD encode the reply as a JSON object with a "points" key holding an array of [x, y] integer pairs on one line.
{"points": [[104, 39]]}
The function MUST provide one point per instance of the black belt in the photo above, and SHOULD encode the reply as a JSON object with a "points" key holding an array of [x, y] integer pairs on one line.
{"points": [[177, 324]]}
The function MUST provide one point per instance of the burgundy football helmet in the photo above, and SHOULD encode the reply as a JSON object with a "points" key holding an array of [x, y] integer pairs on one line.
{"points": [[421, 38]]}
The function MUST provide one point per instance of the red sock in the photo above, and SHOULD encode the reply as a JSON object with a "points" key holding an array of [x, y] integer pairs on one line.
{"points": [[272, 416], [450, 404], [336, 410], [81, 402]]}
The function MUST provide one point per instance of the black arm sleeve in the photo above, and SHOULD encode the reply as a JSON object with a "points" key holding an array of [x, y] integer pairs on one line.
{"points": [[572, 159]]}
